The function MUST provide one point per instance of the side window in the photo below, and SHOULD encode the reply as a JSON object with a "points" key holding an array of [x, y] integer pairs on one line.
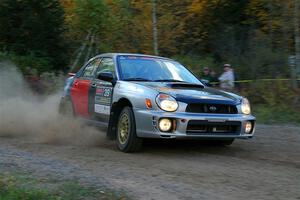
{"points": [[89, 70], [106, 65]]}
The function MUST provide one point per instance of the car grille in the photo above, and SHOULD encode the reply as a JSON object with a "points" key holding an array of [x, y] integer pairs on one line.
{"points": [[211, 108], [201, 127]]}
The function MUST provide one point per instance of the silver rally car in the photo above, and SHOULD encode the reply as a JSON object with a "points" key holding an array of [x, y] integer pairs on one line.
{"points": [[139, 96]]}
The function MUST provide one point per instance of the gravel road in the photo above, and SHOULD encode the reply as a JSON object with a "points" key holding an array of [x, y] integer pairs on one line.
{"points": [[266, 167]]}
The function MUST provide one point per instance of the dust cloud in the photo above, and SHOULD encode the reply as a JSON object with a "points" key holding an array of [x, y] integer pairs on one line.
{"points": [[24, 114]]}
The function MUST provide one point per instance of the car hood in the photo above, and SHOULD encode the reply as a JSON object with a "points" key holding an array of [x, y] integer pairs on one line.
{"points": [[193, 93]]}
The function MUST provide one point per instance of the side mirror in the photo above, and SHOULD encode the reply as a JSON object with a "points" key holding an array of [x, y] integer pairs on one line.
{"points": [[106, 76], [205, 82], [70, 74]]}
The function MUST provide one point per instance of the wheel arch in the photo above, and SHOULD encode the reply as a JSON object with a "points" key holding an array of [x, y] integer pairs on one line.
{"points": [[116, 109]]}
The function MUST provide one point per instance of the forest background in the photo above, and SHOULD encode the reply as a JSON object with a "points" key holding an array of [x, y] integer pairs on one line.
{"points": [[259, 38]]}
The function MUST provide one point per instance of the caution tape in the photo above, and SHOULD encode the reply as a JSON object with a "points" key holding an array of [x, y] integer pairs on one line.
{"points": [[266, 79]]}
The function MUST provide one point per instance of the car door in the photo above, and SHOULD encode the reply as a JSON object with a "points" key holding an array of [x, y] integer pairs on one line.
{"points": [[81, 87], [101, 93]]}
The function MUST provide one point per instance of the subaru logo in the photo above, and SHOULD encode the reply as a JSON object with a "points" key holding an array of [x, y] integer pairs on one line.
{"points": [[212, 108]]}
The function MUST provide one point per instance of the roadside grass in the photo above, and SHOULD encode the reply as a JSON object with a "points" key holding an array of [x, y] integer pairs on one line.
{"points": [[16, 186], [276, 115], [273, 102]]}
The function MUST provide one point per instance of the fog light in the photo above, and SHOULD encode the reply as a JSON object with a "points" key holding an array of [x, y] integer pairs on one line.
{"points": [[165, 125], [248, 127]]}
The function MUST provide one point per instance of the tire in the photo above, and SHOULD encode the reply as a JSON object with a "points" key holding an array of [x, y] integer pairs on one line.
{"points": [[66, 108], [127, 140]]}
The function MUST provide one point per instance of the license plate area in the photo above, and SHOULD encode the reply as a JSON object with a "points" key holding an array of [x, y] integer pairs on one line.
{"points": [[213, 128]]}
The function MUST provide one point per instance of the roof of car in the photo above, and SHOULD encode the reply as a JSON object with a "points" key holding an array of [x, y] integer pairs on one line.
{"points": [[129, 54]]}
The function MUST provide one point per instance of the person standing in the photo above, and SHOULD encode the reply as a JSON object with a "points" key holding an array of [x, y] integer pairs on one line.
{"points": [[214, 78], [227, 78], [206, 76]]}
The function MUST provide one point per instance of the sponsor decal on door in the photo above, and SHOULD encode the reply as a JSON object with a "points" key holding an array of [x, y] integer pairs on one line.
{"points": [[103, 100]]}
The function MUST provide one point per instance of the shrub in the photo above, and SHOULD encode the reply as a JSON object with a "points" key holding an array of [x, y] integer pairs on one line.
{"points": [[29, 63], [196, 63], [273, 101]]}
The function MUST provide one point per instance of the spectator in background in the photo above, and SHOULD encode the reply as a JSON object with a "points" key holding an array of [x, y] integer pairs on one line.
{"points": [[206, 76], [227, 78], [214, 81]]}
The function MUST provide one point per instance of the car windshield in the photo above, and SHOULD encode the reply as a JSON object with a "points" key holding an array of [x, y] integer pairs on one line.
{"points": [[139, 68]]}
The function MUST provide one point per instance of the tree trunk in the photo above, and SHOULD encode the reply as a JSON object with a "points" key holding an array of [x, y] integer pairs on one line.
{"points": [[154, 27], [90, 47], [76, 61], [296, 69]]}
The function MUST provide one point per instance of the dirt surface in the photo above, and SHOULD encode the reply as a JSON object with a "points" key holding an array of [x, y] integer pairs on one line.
{"points": [[266, 167]]}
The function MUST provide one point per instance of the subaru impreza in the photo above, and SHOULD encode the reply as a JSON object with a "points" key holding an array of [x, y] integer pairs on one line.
{"points": [[136, 96]]}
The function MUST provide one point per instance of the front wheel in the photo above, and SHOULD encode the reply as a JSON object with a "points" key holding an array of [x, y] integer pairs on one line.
{"points": [[127, 140]]}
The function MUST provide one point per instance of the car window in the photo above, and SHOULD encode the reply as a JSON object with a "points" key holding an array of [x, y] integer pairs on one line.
{"points": [[89, 70], [154, 69], [106, 65]]}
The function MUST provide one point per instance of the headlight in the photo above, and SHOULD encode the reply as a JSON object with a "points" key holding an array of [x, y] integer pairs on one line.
{"points": [[166, 102], [245, 106]]}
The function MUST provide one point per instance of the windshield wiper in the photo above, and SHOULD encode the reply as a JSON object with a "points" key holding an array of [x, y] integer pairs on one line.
{"points": [[136, 79], [169, 80]]}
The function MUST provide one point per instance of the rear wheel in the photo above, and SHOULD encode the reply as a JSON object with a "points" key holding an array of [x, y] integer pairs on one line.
{"points": [[127, 140], [66, 108]]}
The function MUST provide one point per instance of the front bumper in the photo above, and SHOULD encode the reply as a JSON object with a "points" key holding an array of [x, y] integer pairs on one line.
{"points": [[147, 124]]}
